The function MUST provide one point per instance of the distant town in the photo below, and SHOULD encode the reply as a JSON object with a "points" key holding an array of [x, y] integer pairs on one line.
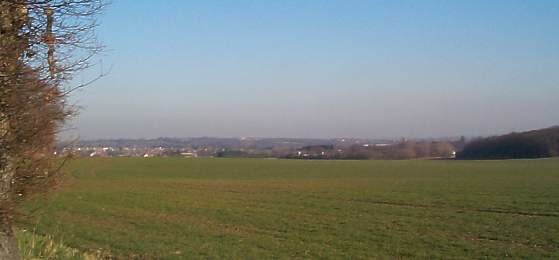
{"points": [[292, 148]]}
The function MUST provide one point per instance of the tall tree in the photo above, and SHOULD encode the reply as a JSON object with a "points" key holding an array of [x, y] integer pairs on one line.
{"points": [[42, 44]]}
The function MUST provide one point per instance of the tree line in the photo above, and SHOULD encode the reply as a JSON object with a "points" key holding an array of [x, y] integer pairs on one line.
{"points": [[394, 151], [532, 144]]}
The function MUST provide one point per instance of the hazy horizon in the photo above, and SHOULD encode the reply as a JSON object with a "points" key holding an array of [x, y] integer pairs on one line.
{"points": [[364, 69], [68, 135]]}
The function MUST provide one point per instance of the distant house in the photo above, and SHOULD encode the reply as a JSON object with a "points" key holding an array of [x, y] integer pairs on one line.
{"points": [[189, 154]]}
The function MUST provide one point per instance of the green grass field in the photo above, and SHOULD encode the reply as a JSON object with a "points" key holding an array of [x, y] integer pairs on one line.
{"points": [[258, 208]]}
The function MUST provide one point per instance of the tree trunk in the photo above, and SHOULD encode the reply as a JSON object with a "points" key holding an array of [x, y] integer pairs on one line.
{"points": [[8, 242]]}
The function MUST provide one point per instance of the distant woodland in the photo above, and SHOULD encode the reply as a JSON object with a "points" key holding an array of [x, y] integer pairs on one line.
{"points": [[405, 149], [532, 144]]}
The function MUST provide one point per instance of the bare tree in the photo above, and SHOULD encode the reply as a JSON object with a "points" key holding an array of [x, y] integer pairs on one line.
{"points": [[42, 44]]}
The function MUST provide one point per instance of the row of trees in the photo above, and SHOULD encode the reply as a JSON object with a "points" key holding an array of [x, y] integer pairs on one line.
{"points": [[410, 150], [398, 151], [532, 144], [42, 44]]}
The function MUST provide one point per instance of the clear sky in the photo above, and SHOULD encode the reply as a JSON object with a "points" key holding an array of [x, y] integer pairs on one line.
{"points": [[343, 68]]}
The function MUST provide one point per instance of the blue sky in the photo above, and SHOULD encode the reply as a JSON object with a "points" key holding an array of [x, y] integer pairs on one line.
{"points": [[371, 69]]}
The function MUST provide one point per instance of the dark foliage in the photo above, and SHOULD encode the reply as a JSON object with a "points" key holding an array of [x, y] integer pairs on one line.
{"points": [[532, 144]]}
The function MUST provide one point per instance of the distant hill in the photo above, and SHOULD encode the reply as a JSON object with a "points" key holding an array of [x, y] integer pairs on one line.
{"points": [[531, 144], [196, 142]]}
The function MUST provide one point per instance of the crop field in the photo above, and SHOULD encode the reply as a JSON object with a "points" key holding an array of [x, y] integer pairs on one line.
{"points": [[175, 208]]}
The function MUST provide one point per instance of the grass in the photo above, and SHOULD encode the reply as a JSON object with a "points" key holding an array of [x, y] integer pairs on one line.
{"points": [[176, 208], [33, 246]]}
